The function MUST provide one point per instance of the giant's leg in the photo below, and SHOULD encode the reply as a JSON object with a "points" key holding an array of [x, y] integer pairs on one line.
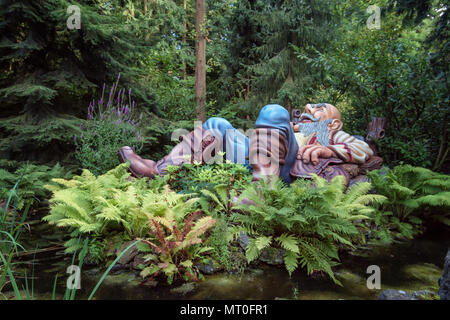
{"points": [[199, 145]]}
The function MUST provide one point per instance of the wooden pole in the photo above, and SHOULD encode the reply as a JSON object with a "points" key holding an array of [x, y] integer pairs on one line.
{"points": [[200, 53]]}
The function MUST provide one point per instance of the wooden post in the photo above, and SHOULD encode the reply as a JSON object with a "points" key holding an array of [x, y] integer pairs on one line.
{"points": [[200, 53], [184, 38]]}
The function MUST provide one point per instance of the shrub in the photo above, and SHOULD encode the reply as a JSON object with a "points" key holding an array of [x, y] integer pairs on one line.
{"points": [[110, 125], [412, 194], [189, 178], [308, 220]]}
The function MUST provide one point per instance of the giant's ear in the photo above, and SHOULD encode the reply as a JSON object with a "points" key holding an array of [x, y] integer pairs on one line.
{"points": [[335, 125]]}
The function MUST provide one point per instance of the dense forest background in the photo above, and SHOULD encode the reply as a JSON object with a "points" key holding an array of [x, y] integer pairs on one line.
{"points": [[290, 52]]}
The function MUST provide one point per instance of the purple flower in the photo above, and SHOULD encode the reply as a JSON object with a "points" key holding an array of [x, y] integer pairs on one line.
{"points": [[118, 77]]}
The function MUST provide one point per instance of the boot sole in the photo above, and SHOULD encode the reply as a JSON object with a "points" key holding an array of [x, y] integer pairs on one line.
{"points": [[124, 160]]}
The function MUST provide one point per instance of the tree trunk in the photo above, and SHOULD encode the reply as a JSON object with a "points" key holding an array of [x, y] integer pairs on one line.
{"points": [[145, 7], [200, 53], [184, 38]]}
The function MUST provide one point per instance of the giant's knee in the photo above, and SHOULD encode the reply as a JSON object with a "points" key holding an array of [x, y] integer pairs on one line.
{"points": [[272, 115], [217, 123]]}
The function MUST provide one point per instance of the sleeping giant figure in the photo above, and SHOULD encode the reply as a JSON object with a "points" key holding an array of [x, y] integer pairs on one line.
{"points": [[313, 143]]}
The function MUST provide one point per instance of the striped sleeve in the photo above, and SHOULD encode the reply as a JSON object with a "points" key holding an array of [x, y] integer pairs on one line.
{"points": [[350, 149]]}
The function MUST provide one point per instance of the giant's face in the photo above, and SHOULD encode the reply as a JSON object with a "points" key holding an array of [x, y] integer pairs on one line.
{"points": [[319, 112], [321, 119]]}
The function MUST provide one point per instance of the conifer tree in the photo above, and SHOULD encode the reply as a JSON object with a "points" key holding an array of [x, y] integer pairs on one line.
{"points": [[288, 33], [49, 72]]}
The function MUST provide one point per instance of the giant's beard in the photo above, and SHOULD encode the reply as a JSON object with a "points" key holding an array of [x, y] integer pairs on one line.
{"points": [[320, 128]]}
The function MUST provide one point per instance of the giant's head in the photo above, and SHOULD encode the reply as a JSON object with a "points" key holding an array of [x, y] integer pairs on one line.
{"points": [[324, 119]]}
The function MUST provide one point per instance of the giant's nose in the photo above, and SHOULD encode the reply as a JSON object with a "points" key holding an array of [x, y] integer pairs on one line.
{"points": [[309, 109]]}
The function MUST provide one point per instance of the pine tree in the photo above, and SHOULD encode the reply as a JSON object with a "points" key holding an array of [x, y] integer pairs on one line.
{"points": [[289, 32], [49, 72]]}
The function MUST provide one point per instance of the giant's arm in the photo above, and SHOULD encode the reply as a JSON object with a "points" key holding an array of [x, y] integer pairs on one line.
{"points": [[350, 149]]}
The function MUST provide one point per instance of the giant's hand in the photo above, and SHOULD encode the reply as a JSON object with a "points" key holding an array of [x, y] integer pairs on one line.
{"points": [[312, 153]]}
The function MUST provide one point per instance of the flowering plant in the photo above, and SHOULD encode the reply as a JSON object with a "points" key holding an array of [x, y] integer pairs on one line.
{"points": [[109, 126]]}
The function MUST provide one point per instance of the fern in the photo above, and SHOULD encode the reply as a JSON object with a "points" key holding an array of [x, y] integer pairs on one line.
{"points": [[177, 241], [412, 194], [31, 180], [100, 207], [308, 220]]}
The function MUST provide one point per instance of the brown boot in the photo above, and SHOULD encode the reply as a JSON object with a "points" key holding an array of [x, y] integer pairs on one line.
{"points": [[267, 152], [139, 167]]}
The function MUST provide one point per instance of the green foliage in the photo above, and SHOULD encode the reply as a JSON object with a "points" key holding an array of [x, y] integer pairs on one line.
{"points": [[48, 71], [308, 223], [11, 225], [413, 194], [265, 36], [219, 203], [111, 204], [390, 72], [111, 124], [99, 206], [190, 178], [176, 240], [30, 181]]}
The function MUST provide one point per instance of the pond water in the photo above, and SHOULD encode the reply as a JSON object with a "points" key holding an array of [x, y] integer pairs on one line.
{"points": [[411, 266]]}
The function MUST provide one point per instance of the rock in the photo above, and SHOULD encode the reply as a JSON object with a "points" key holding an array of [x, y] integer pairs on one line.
{"points": [[391, 294], [207, 268], [138, 260], [117, 267], [244, 240], [272, 256], [444, 281], [268, 255], [129, 255]]}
